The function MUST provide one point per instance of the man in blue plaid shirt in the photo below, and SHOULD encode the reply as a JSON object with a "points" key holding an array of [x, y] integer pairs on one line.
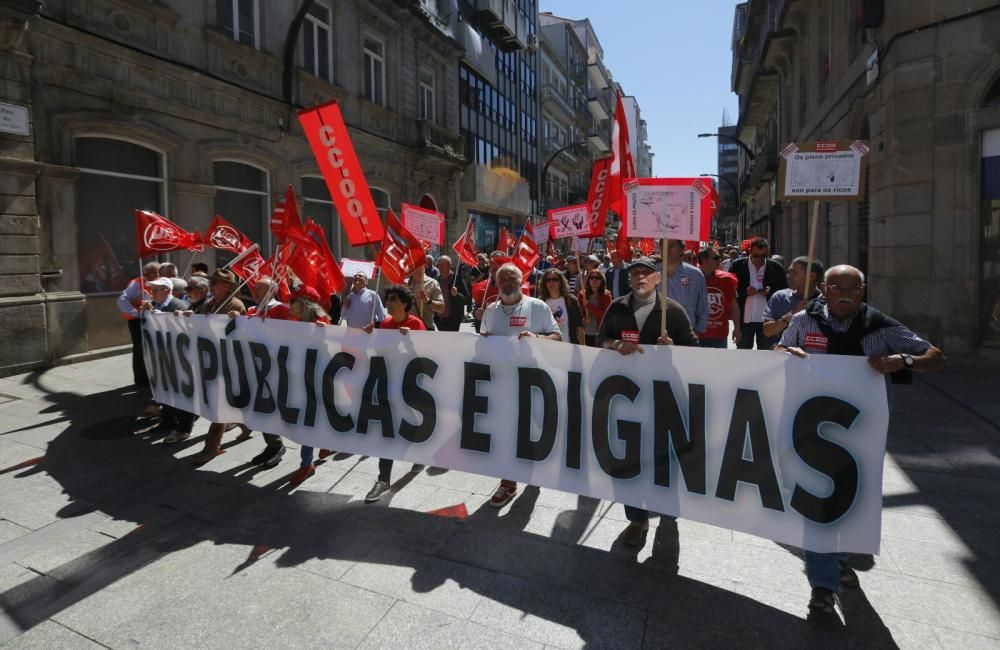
{"points": [[838, 322]]}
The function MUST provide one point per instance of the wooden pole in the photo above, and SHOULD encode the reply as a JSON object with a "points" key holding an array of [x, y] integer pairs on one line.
{"points": [[812, 250], [663, 290]]}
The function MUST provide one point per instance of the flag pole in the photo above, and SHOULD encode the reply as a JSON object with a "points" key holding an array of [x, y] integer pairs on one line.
{"points": [[812, 250], [190, 262], [378, 282], [663, 290]]}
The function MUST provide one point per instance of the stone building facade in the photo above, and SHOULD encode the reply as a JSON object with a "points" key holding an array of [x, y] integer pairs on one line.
{"points": [[189, 109], [920, 80]]}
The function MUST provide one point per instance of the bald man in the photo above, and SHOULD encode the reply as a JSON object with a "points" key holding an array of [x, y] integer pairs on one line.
{"points": [[840, 322]]}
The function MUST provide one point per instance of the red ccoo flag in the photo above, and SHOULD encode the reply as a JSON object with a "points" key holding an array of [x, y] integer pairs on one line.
{"points": [[622, 166], [314, 264], [155, 234], [526, 253], [597, 196], [401, 252], [285, 221], [466, 245], [506, 241]]}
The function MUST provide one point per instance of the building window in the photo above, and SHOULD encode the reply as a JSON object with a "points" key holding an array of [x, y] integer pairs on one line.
{"points": [[318, 206], [374, 61], [241, 196], [240, 19], [381, 199], [426, 95], [317, 42], [116, 178]]}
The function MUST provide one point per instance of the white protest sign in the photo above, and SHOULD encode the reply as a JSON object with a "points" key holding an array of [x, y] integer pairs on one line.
{"points": [[785, 448], [425, 225], [351, 268], [664, 211], [822, 170], [572, 221]]}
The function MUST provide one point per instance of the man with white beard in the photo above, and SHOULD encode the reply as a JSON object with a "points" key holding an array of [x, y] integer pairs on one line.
{"points": [[524, 317]]}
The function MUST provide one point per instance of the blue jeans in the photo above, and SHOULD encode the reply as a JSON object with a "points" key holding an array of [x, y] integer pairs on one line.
{"points": [[714, 343], [823, 570], [306, 454]]}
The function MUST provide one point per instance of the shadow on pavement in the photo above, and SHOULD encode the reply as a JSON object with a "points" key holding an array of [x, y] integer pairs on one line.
{"points": [[101, 466]]}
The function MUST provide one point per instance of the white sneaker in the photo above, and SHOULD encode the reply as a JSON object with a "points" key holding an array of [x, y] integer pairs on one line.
{"points": [[176, 436]]}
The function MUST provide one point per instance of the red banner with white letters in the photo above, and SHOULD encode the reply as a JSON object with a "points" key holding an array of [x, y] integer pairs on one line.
{"points": [[597, 197], [331, 144], [223, 235]]}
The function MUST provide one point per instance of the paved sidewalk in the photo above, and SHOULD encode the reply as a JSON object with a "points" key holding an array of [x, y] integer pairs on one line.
{"points": [[116, 540]]}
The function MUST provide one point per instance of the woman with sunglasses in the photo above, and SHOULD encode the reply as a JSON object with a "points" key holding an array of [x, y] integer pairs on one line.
{"points": [[399, 300], [554, 290], [594, 298]]}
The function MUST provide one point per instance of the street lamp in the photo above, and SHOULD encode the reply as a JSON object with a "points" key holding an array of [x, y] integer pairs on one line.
{"points": [[729, 138], [545, 168]]}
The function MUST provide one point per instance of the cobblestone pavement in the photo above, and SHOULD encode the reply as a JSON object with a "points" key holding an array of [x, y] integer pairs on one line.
{"points": [[113, 539]]}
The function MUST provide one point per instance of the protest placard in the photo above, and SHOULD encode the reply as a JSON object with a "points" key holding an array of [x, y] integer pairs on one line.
{"points": [[830, 170], [571, 221], [352, 267], [426, 225]]}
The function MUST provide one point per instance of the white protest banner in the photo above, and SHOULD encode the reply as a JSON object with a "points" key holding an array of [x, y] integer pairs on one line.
{"points": [[541, 234], [832, 169], [663, 209], [572, 221], [351, 268], [425, 225], [581, 245], [785, 448]]}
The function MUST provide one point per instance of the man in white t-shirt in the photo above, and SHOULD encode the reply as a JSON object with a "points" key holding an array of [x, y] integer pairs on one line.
{"points": [[524, 317]]}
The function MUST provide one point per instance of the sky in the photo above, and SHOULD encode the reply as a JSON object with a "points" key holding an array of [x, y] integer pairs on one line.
{"points": [[675, 57]]}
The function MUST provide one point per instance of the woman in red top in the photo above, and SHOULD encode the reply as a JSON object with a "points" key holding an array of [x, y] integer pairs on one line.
{"points": [[305, 307], [594, 299], [398, 302]]}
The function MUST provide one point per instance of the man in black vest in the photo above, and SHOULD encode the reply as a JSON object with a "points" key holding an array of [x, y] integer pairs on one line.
{"points": [[838, 322], [634, 320], [757, 278]]}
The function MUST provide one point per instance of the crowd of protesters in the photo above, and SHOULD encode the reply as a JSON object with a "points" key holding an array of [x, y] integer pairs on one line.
{"points": [[714, 295]]}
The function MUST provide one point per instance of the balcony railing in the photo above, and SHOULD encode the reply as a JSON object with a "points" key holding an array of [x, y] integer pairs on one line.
{"points": [[551, 94], [441, 142]]}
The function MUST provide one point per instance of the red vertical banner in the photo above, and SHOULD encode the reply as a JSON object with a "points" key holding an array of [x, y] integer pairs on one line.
{"points": [[597, 196], [331, 144]]}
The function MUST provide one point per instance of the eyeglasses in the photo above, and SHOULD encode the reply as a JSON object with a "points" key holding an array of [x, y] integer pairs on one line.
{"points": [[389, 299], [594, 277], [854, 290], [552, 280]]}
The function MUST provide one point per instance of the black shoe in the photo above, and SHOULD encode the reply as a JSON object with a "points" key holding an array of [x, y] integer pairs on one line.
{"points": [[823, 602], [848, 577], [270, 457]]}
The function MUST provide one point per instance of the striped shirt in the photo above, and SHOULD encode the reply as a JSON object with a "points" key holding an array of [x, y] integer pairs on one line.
{"points": [[882, 342]]}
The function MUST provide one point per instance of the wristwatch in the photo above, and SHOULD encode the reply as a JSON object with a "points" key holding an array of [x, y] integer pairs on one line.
{"points": [[907, 361]]}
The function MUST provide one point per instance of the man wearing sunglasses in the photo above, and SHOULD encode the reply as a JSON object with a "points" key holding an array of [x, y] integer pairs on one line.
{"points": [[722, 308], [758, 277], [839, 322]]}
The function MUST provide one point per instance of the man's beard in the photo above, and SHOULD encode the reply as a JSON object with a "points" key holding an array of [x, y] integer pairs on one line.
{"points": [[513, 294]]}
